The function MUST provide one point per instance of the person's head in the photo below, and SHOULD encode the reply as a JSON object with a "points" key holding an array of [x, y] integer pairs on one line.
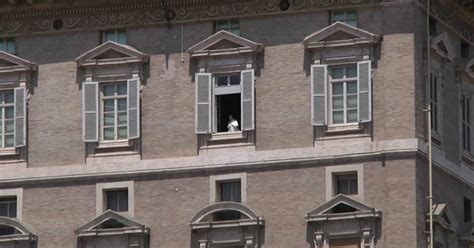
{"points": [[231, 118]]}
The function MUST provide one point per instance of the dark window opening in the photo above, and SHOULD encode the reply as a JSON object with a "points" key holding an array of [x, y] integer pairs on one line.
{"points": [[111, 224], [8, 207], [7, 230], [464, 50], [467, 210], [346, 184], [432, 24], [230, 191], [117, 200], [227, 215], [227, 105]]}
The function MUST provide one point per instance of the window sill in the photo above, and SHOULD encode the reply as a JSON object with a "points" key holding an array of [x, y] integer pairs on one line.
{"points": [[113, 144], [8, 152], [227, 139], [467, 159], [227, 136], [343, 128]]}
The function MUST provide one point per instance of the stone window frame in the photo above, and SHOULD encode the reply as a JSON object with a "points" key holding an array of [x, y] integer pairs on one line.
{"points": [[101, 197], [332, 171], [214, 180], [18, 193]]}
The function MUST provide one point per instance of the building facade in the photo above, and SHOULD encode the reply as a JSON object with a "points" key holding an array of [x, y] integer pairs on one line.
{"points": [[235, 124]]}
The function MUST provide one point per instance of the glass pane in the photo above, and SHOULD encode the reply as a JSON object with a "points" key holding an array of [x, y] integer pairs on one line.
{"points": [[338, 117], [351, 15], [338, 15], [123, 201], [122, 104], [353, 186], [122, 37], [351, 71], [352, 101], [222, 24], [122, 89], [109, 133], [122, 132], [342, 187], [11, 47], [109, 119], [236, 194], [109, 35], [352, 115], [9, 97], [12, 210], [9, 114], [1, 98], [235, 79], [338, 102], [226, 191], [112, 200], [4, 209], [221, 80], [337, 73], [9, 140], [352, 23], [337, 88], [351, 87], [109, 105], [9, 126], [122, 118], [109, 90]]}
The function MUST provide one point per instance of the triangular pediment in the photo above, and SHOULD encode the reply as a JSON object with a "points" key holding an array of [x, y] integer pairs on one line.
{"points": [[110, 221], [341, 204], [9, 62], [224, 43], [110, 52], [443, 215], [339, 34], [443, 47], [469, 68]]}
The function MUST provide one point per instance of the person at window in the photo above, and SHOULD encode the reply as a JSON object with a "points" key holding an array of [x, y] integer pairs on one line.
{"points": [[233, 124]]}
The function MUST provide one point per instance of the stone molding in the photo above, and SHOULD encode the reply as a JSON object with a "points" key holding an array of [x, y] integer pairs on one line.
{"points": [[25, 233]]}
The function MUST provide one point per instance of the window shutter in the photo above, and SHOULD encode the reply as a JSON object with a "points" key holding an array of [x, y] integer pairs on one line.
{"points": [[247, 79], [20, 116], [133, 108], [319, 76], [203, 103], [90, 107], [364, 72]]}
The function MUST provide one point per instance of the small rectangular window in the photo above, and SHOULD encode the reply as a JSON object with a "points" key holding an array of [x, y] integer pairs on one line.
{"points": [[8, 207], [344, 95], [434, 102], [467, 210], [115, 35], [345, 16], [466, 116], [432, 25], [117, 200], [230, 191], [464, 50], [346, 184], [114, 111], [232, 26], [8, 45]]}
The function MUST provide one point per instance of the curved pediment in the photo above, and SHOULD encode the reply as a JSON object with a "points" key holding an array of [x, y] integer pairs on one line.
{"points": [[224, 43], [111, 53], [339, 207], [339, 34], [13, 230], [443, 47], [12, 63], [204, 217], [111, 223]]}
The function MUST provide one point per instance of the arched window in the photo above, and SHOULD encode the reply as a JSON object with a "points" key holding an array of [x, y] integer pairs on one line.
{"points": [[16, 234]]}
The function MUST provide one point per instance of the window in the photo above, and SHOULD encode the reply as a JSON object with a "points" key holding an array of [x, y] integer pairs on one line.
{"points": [[467, 210], [464, 50], [227, 103], [344, 95], [466, 123], [8, 207], [8, 45], [114, 111], [232, 26], [346, 184], [434, 102], [7, 119], [432, 25], [346, 16], [115, 35], [230, 191], [117, 200], [344, 243]]}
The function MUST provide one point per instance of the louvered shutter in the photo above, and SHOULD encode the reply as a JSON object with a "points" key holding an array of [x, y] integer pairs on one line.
{"points": [[133, 108], [20, 116], [319, 77], [364, 72], [90, 107], [247, 79], [203, 103]]}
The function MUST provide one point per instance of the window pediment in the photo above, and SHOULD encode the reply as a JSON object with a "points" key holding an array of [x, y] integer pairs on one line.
{"points": [[203, 218], [339, 34], [341, 207], [224, 43], [469, 68], [10, 63], [111, 53], [443, 47], [14, 231], [444, 217], [111, 223]]}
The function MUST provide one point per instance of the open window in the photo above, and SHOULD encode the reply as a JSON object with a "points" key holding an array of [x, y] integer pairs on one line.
{"points": [[244, 231], [112, 229], [341, 79], [13, 233], [112, 77], [344, 222], [225, 90]]}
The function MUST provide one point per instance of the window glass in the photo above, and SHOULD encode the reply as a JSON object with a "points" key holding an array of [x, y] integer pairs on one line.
{"points": [[464, 50], [466, 123], [232, 26], [7, 123], [433, 94], [117, 200], [115, 35], [346, 184], [8, 207], [230, 191], [467, 210], [344, 90], [8, 45], [114, 111], [346, 16]]}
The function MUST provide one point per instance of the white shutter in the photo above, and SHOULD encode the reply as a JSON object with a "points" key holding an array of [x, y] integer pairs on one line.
{"points": [[20, 116], [203, 103], [364, 79], [90, 113], [133, 108], [319, 77], [247, 84]]}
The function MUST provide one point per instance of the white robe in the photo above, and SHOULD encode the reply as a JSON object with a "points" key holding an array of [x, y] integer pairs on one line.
{"points": [[233, 126]]}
